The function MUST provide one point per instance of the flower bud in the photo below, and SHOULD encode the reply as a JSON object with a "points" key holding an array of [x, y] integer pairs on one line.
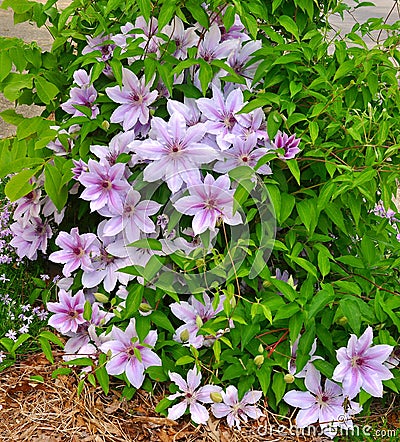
{"points": [[259, 360], [266, 284], [105, 125], [184, 336], [342, 321], [100, 297], [216, 397], [260, 348], [144, 307], [199, 321], [288, 378]]}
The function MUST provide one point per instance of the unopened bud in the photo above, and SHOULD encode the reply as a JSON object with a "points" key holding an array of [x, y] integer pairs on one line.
{"points": [[216, 397], [259, 360], [105, 125], [266, 284], [288, 378], [100, 297], [260, 348], [342, 321], [184, 336], [199, 321], [144, 307]]}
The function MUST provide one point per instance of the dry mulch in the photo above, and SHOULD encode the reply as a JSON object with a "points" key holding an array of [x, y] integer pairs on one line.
{"points": [[52, 411]]}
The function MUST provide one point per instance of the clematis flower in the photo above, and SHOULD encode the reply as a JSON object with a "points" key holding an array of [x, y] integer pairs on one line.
{"points": [[105, 185], [210, 202], [118, 145], [194, 314], [240, 60], [192, 396], [188, 109], [130, 356], [135, 98], [84, 95], [28, 207], [361, 365], [30, 238], [237, 411], [220, 114], [243, 153], [292, 369], [99, 43], [289, 144], [211, 48], [76, 250], [105, 266], [183, 38], [323, 405], [134, 217], [176, 151], [68, 312]]}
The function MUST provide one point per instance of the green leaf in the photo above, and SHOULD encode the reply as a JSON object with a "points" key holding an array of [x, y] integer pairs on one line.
{"points": [[145, 8], [46, 334], [53, 186], [133, 300], [82, 362], [294, 168], [147, 243], [167, 11], [19, 185], [205, 75], [278, 386], [45, 90], [335, 214], [87, 311], [44, 344], [351, 310], [344, 69], [306, 265], [101, 374], [319, 302], [324, 264], [290, 26], [198, 12], [160, 319]]}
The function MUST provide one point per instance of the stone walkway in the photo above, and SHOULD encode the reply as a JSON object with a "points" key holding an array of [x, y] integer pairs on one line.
{"points": [[29, 32]]}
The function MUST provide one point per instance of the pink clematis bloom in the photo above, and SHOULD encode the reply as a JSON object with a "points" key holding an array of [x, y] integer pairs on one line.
{"points": [[288, 144], [183, 38], [192, 395], [68, 312], [210, 202], [361, 365], [128, 355], [194, 314], [76, 250], [220, 114], [237, 411], [323, 405], [176, 151], [105, 185], [134, 218], [243, 153], [135, 98]]}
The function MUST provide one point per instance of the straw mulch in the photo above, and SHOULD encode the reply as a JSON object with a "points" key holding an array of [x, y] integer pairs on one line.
{"points": [[53, 412]]}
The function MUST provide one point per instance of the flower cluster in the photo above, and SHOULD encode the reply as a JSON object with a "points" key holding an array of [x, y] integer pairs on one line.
{"points": [[224, 403]]}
